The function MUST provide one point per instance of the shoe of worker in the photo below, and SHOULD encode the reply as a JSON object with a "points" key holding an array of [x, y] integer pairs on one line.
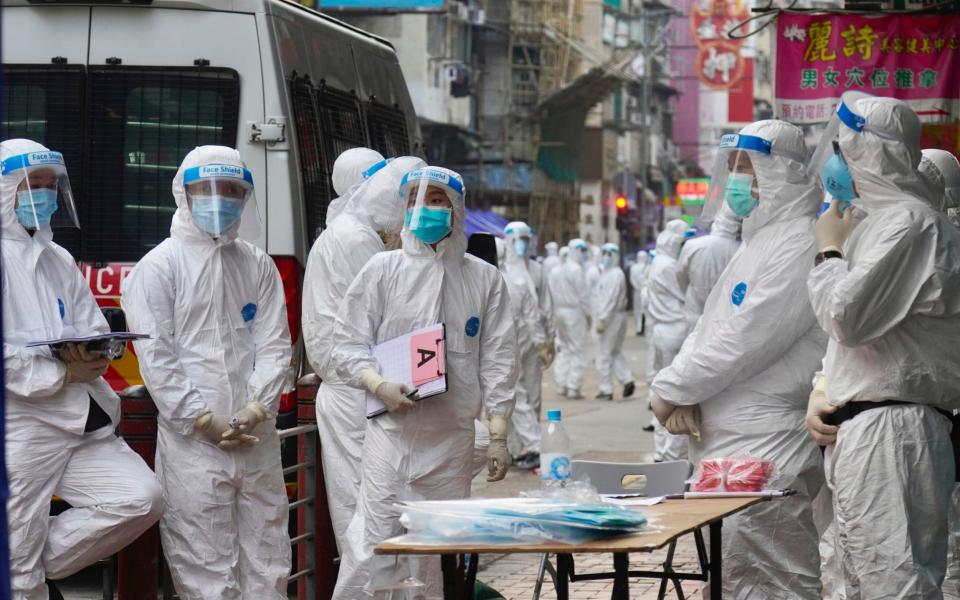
{"points": [[606, 397], [629, 389], [574, 394]]}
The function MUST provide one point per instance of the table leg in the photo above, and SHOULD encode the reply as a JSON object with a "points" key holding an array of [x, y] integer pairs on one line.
{"points": [[472, 575], [563, 576], [621, 579], [448, 564], [716, 561]]}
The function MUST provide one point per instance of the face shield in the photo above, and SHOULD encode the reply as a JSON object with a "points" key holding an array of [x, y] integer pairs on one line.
{"points": [[732, 179], [221, 198], [44, 196], [609, 256], [844, 116], [520, 236], [429, 196]]}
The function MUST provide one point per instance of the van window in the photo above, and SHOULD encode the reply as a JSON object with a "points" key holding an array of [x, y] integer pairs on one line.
{"points": [[42, 103], [328, 122], [388, 130], [123, 132], [142, 121]]}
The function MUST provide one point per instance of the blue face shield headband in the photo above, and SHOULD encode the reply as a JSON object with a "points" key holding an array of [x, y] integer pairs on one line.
{"points": [[218, 196]]}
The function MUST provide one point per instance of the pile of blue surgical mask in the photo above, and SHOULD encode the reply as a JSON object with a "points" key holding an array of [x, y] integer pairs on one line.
{"points": [[516, 520]]}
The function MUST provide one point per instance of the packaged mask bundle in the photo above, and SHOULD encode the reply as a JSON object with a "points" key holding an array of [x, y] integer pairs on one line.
{"points": [[733, 475]]}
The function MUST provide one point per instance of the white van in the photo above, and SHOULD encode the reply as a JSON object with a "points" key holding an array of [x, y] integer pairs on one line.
{"points": [[125, 89]]}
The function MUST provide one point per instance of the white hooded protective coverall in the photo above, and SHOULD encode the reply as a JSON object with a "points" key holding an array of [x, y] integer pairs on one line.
{"points": [[348, 171], [215, 311], [424, 453], [114, 495], [949, 170], [703, 259], [524, 434], [668, 328], [609, 307], [371, 208], [571, 306], [891, 307], [638, 276], [749, 364], [552, 260]]}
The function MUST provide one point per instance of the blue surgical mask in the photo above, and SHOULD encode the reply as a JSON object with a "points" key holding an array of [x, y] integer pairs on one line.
{"points": [[520, 248], [837, 180], [215, 214], [432, 224], [35, 208], [738, 193]]}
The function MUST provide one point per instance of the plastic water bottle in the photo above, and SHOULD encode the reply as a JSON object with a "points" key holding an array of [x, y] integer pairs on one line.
{"points": [[554, 451]]}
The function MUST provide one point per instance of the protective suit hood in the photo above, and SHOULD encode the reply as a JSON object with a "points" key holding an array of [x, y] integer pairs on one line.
{"points": [[642, 257], [9, 225], [787, 189], [183, 227], [552, 248], [949, 169], [884, 157], [936, 193], [349, 167], [375, 200], [670, 239]]}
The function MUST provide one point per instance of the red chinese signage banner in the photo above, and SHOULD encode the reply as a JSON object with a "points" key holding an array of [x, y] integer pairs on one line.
{"points": [[720, 64], [913, 58]]}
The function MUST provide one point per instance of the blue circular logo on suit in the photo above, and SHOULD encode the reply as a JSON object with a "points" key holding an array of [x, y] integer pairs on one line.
{"points": [[62, 307], [560, 468], [249, 311], [473, 327], [739, 293]]}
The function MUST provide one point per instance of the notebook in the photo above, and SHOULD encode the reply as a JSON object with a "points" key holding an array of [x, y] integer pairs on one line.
{"points": [[417, 359]]}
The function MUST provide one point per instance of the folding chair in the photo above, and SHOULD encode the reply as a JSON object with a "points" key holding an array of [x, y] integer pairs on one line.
{"points": [[649, 479]]}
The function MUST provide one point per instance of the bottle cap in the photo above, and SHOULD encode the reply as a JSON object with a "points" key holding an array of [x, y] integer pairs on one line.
{"points": [[553, 414]]}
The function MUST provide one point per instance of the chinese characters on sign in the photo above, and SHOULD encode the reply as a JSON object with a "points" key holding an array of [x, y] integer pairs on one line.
{"points": [[719, 61], [914, 58]]}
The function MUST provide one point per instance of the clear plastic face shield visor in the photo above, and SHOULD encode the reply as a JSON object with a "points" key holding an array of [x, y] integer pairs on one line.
{"points": [[845, 116], [44, 196], [580, 252], [428, 195], [609, 256], [221, 199], [732, 167]]}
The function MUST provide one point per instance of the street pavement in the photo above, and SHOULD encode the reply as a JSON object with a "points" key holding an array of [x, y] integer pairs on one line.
{"points": [[598, 430]]}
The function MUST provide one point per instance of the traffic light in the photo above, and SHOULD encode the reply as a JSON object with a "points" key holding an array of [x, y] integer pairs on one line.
{"points": [[621, 203]]}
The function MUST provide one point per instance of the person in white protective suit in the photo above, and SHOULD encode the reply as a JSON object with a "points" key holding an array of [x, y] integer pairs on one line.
{"points": [[422, 450], [668, 328], [372, 215], [638, 276], [610, 323], [591, 269], [552, 260], [888, 296], [352, 167], [215, 365], [703, 259], [536, 353], [571, 299], [60, 412], [559, 375], [949, 169], [743, 375]]}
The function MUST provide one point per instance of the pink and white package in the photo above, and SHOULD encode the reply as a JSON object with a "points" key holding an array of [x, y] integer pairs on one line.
{"points": [[733, 475]]}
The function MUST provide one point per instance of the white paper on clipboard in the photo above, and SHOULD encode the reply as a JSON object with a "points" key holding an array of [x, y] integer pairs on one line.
{"points": [[417, 359]]}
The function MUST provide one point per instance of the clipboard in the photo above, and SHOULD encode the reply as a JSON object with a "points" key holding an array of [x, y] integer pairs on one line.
{"points": [[109, 345], [417, 359]]}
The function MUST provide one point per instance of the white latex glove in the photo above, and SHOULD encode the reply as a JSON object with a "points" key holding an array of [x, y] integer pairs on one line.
{"points": [[214, 426], [601, 325], [246, 419], [498, 458], [833, 228], [392, 394], [661, 408], [547, 353], [82, 366], [818, 407], [684, 419]]}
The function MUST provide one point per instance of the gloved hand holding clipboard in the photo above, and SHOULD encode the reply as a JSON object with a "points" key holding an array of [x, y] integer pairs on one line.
{"points": [[417, 359]]}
